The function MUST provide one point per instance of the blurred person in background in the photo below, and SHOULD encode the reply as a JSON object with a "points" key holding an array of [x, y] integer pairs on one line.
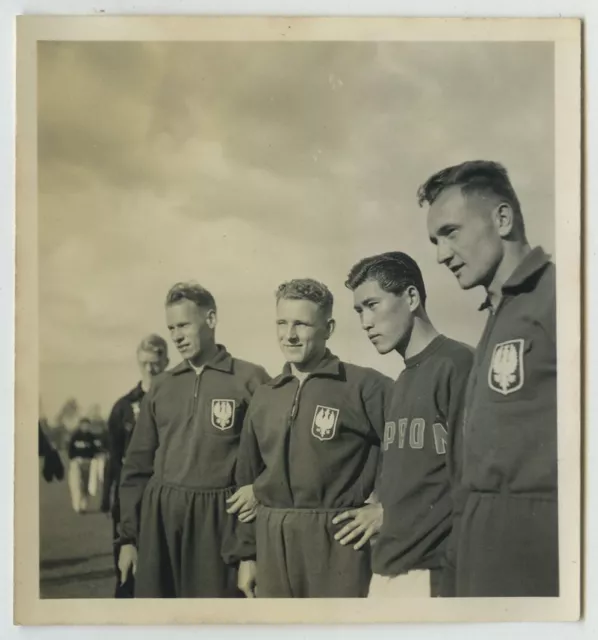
{"points": [[52, 467], [152, 359], [98, 464], [81, 451]]}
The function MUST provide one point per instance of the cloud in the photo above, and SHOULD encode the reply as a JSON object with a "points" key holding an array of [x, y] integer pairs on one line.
{"points": [[244, 164]]}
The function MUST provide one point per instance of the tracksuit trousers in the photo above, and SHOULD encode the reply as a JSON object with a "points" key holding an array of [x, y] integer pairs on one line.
{"points": [[182, 535], [298, 557], [508, 546]]}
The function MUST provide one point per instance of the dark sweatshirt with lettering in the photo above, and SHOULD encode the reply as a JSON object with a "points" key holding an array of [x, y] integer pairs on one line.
{"points": [[421, 458], [315, 445]]}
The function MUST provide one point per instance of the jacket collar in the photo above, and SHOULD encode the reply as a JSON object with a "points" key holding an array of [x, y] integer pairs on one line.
{"points": [[533, 262], [222, 361], [136, 393], [330, 367]]}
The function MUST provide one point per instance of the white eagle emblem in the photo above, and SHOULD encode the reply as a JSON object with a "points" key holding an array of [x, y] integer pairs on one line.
{"points": [[506, 368], [223, 413], [324, 424]]}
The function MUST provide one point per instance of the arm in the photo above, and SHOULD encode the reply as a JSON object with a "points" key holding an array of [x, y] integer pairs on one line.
{"points": [[115, 451], [137, 470], [242, 547], [455, 414], [248, 468], [243, 503], [365, 522]]}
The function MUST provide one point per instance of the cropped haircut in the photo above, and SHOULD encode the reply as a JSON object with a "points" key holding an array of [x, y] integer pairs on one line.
{"points": [[307, 289], [394, 272], [154, 344], [193, 292], [475, 176]]}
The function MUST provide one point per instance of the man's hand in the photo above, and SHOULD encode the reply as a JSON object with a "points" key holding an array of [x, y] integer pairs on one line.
{"points": [[243, 504], [246, 580], [364, 522], [127, 561]]}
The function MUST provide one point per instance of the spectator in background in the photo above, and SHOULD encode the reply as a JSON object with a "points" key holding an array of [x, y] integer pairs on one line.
{"points": [[152, 359], [82, 449], [52, 464]]}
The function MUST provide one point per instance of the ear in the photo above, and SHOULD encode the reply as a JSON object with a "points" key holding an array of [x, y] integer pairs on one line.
{"points": [[331, 326], [211, 319], [413, 299], [504, 219]]}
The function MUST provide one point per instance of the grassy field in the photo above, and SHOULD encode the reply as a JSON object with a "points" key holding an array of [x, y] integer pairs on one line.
{"points": [[75, 550]]}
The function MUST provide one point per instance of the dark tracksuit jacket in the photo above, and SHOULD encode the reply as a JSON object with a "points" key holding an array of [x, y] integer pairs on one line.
{"points": [[421, 453], [508, 537], [179, 471], [120, 429], [82, 445], [311, 452]]}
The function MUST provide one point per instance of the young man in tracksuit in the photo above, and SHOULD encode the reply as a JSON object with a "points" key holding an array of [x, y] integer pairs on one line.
{"points": [[152, 359], [422, 433], [310, 448], [179, 467], [507, 542], [81, 451]]}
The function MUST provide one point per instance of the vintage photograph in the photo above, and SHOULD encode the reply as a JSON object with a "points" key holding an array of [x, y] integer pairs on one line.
{"points": [[301, 318]]}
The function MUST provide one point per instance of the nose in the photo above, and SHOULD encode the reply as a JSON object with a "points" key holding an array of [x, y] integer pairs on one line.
{"points": [[367, 321], [291, 334], [444, 253]]}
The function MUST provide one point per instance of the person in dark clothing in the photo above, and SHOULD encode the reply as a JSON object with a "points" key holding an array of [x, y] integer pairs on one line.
{"points": [[179, 467], [422, 431], [152, 359], [507, 542], [310, 448], [81, 451], [52, 465]]}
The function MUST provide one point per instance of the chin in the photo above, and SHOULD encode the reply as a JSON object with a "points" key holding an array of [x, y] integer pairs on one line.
{"points": [[467, 284], [383, 349], [294, 358]]}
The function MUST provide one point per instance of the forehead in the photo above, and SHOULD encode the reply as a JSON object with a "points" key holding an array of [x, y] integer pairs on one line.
{"points": [[370, 289], [450, 205], [297, 310], [148, 356], [183, 310], [454, 207]]}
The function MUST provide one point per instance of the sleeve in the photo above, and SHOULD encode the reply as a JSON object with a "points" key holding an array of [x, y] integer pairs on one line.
{"points": [[116, 447], [137, 469], [261, 377], [375, 398], [375, 403], [249, 466], [456, 387]]}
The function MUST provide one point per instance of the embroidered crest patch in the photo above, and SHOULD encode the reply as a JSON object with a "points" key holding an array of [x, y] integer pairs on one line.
{"points": [[506, 374], [223, 413], [324, 423]]}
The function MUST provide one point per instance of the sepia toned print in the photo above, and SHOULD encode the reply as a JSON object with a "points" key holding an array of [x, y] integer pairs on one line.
{"points": [[302, 320]]}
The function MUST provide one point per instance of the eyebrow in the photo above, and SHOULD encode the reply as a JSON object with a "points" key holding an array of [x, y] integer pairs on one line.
{"points": [[364, 302], [444, 230]]}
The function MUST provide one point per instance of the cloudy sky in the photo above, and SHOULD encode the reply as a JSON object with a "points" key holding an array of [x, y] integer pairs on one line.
{"points": [[241, 165]]}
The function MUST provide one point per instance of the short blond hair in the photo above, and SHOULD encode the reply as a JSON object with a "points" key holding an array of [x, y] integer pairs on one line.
{"points": [[154, 344]]}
